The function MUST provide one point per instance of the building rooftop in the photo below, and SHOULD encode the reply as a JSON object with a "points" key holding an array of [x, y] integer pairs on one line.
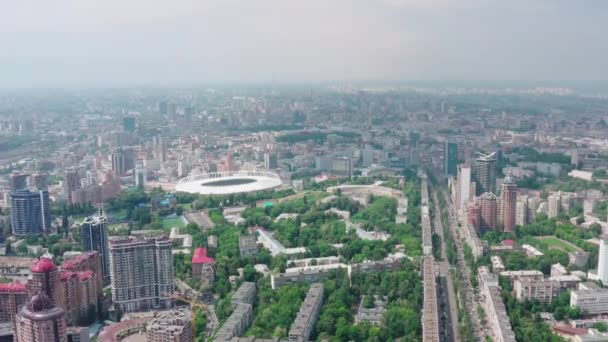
{"points": [[200, 257], [44, 265]]}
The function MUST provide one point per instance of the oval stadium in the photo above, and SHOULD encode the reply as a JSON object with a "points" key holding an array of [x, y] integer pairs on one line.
{"points": [[230, 182]]}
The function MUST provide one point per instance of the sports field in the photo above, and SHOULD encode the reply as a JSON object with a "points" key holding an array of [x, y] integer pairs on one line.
{"points": [[557, 243]]}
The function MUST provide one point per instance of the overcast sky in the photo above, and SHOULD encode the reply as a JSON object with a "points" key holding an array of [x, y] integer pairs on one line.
{"points": [[106, 42]]}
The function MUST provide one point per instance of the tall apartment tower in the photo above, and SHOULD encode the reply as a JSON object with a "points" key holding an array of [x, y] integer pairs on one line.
{"points": [[139, 174], [18, 181], [488, 211], [119, 161], [554, 204], [94, 237], [141, 272], [450, 158], [41, 321], [45, 279], [463, 179], [508, 203], [71, 182], [485, 172], [30, 212], [602, 260], [521, 210]]}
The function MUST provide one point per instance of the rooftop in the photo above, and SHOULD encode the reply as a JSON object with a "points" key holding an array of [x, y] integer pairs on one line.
{"points": [[200, 256]]}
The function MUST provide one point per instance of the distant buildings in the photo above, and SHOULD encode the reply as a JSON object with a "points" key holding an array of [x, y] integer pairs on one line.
{"points": [[30, 212], [554, 205], [485, 173], [41, 320], [307, 316], [94, 237], [141, 272]]}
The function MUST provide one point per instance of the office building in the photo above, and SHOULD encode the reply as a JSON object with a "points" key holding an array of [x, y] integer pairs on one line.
{"points": [[508, 204], [203, 267], [12, 297], [41, 320], [30, 212], [485, 172], [122, 160], [94, 237], [307, 316], [141, 273], [174, 326], [450, 158], [592, 302], [488, 210]]}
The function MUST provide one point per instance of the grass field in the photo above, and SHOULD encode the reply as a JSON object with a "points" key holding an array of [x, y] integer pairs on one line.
{"points": [[557, 243], [169, 223]]}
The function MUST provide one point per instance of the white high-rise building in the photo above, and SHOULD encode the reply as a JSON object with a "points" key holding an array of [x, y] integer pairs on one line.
{"points": [[602, 262], [553, 205], [464, 183], [141, 273]]}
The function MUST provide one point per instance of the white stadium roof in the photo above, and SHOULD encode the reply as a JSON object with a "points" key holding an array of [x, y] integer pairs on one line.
{"points": [[230, 182]]}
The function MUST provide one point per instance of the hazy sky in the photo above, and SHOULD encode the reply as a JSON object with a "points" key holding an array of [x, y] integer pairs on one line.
{"points": [[105, 42]]}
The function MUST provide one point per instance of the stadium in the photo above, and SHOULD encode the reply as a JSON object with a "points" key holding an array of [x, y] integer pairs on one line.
{"points": [[230, 182]]}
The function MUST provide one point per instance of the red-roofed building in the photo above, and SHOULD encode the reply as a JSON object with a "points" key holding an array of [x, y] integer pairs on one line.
{"points": [[87, 261], [203, 267], [568, 332], [508, 243], [45, 278], [81, 292], [12, 296]]}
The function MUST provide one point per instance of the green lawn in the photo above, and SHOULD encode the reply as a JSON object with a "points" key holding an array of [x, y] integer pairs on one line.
{"points": [[169, 223], [558, 243]]}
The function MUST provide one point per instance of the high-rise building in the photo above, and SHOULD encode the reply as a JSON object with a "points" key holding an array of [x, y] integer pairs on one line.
{"points": [[160, 148], [45, 279], [119, 161], [450, 158], [554, 204], [521, 210], [39, 180], [30, 212], [474, 214], [71, 183], [488, 211], [270, 160], [128, 124], [41, 321], [602, 260], [485, 172], [139, 174], [87, 261], [463, 191], [508, 203], [94, 237], [162, 108], [12, 296], [18, 181], [141, 272], [342, 166]]}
